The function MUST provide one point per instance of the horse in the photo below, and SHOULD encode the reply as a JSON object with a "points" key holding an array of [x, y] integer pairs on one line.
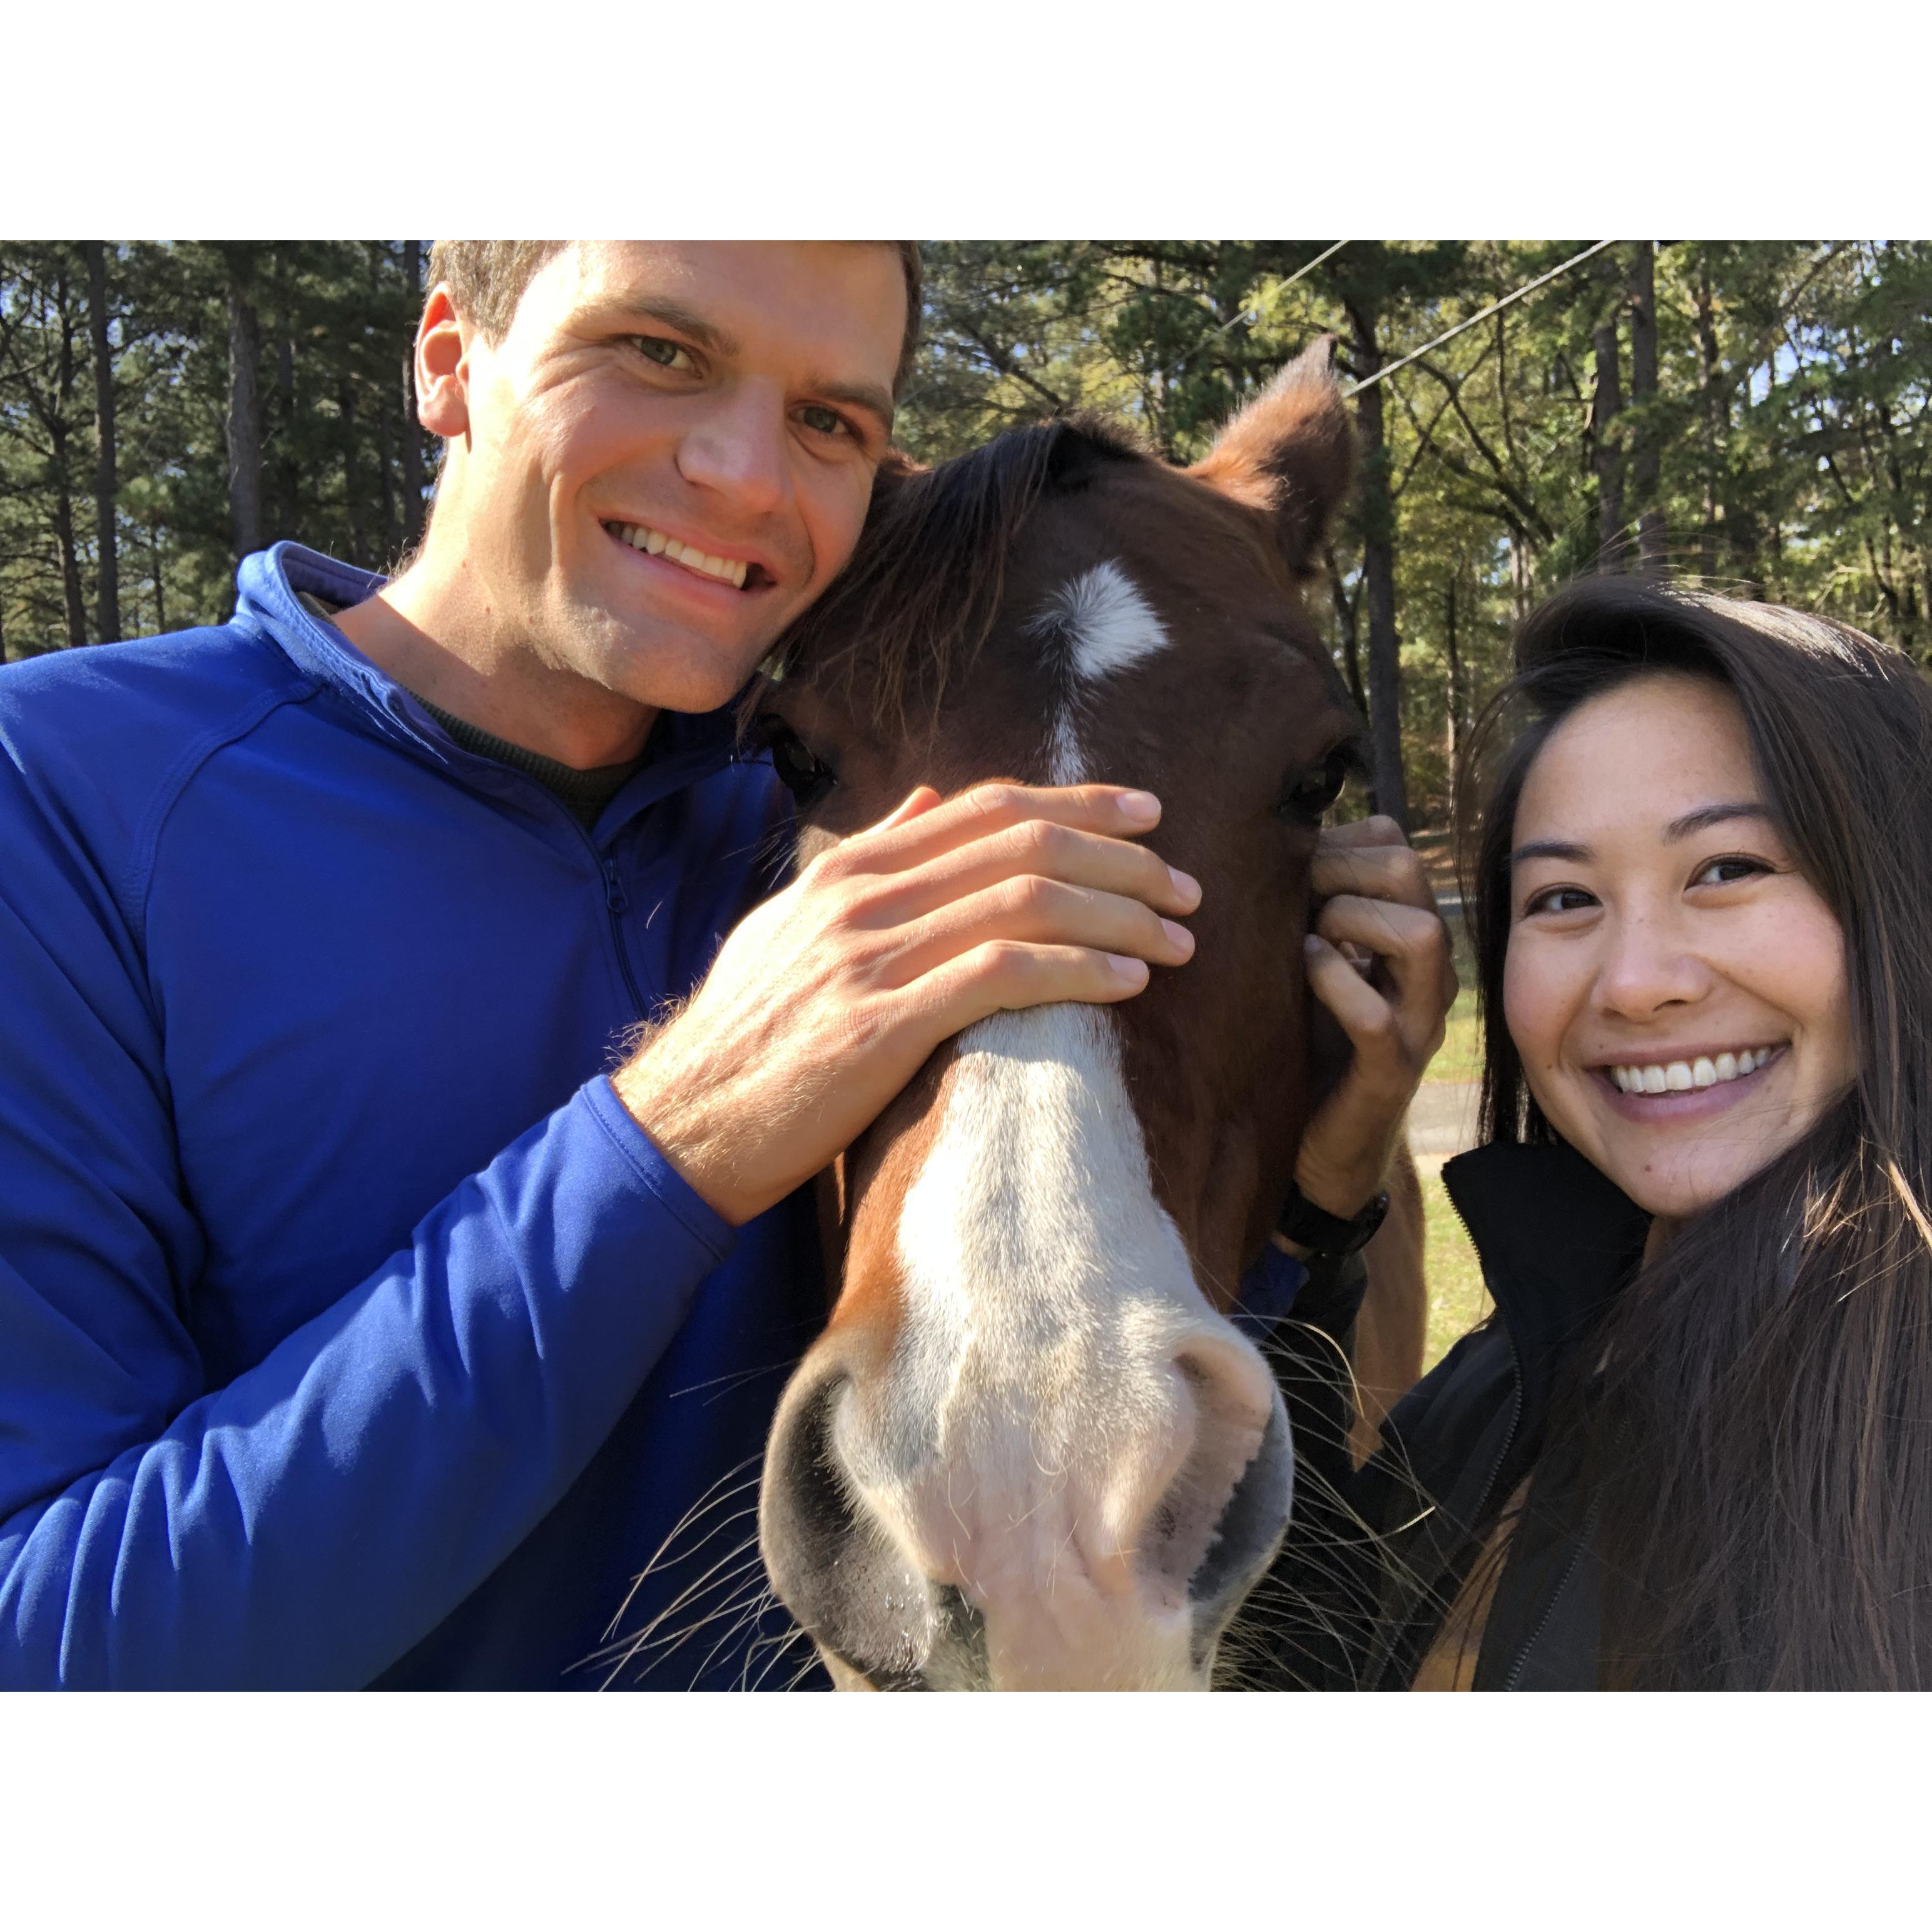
{"points": [[1030, 1449]]}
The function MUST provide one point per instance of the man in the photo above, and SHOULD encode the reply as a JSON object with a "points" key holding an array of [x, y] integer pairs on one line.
{"points": [[366, 1319]]}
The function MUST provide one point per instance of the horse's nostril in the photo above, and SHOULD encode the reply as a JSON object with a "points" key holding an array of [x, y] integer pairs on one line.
{"points": [[1249, 1530], [843, 1582], [1221, 1518]]}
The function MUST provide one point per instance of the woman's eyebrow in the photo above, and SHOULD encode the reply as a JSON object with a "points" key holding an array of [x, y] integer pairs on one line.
{"points": [[1552, 848], [1707, 815]]}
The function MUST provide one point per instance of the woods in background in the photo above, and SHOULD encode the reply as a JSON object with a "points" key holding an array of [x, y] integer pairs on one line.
{"points": [[1753, 414]]}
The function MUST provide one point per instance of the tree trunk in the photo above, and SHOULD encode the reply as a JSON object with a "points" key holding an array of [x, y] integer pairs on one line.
{"points": [[1607, 448], [1452, 721], [288, 482], [72, 597], [413, 449], [1716, 422], [106, 487], [244, 422], [352, 498], [1346, 610], [154, 562], [1378, 515], [1646, 456]]}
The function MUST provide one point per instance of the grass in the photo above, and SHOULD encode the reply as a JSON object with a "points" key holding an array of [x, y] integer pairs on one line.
{"points": [[1460, 1055], [1457, 1299]]}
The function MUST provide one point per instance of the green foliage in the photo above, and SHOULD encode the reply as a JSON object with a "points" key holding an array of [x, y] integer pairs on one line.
{"points": [[334, 322]]}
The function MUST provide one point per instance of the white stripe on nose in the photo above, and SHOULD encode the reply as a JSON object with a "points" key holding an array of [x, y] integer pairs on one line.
{"points": [[1064, 1418]]}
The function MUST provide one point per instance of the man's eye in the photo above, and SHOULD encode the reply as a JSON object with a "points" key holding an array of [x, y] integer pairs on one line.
{"points": [[806, 776], [665, 353], [825, 422]]}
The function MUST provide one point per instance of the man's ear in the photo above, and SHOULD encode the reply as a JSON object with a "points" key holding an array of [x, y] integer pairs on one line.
{"points": [[1292, 450], [442, 367]]}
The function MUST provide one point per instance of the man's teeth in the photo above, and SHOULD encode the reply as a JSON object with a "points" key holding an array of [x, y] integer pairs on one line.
{"points": [[1679, 1076], [726, 569]]}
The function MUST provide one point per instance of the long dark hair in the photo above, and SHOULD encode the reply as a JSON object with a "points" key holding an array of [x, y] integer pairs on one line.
{"points": [[1758, 1412]]}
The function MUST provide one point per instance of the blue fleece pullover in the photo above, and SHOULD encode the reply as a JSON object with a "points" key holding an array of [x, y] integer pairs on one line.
{"points": [[350, 1329]]}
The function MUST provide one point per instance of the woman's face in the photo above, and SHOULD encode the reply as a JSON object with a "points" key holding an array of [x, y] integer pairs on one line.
{"points": [[1676, 990]]}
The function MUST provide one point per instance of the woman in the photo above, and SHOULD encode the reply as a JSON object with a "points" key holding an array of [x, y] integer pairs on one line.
{"points": [[1692, 1448]]}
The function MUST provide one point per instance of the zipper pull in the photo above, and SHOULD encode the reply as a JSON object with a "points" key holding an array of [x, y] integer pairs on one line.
{"points": [[613, 892]]}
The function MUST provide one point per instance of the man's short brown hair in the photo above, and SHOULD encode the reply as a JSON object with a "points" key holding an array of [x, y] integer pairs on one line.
{"points": [[487, 280]]}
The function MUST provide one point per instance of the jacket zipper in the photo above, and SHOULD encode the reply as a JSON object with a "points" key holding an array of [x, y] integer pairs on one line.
{"points": [[1521, 1661], [615, 902]]}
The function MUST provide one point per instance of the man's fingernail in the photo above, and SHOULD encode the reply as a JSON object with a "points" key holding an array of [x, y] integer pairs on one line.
{"points": [[1311, 943], [1185, 883], [1141, 807], [1177, 935], [1127, 967]]}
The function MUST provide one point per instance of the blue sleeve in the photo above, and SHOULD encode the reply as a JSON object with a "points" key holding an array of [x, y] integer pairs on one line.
{"points": [[306, 1523]]}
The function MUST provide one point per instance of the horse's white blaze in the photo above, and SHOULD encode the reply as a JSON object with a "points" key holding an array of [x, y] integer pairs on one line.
{"points": [[1110, 625], [1064, 1417], [1041, 1403], [1105, 626]]}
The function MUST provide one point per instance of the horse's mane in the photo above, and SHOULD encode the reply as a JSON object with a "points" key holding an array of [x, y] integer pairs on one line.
{"points": [[913, 608]]}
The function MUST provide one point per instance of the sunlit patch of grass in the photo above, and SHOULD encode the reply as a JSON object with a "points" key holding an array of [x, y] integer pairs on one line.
{"points": [[1457, 1299], [1460, 1055]]}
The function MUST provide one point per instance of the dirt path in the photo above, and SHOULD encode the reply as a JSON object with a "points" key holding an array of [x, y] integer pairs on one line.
{"points": [[1442, 1119]]}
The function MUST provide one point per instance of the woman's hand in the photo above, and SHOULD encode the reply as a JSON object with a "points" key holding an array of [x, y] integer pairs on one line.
{"points": [[1375, 900]]}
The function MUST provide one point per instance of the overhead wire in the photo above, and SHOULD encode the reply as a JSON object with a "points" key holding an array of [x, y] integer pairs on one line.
{"points": [[1494, 308]]}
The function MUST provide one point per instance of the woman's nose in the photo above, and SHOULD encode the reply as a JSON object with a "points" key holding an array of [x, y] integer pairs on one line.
{"points": [[1649, 966]]}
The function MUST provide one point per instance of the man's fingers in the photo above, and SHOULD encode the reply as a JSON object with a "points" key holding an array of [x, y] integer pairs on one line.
{"points": [[1037, 912], [1111, 811], [1036, 848], [1009, 975], [921, 798]]}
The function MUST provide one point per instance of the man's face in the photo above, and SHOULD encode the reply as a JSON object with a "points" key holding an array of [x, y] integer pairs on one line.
{"points": [[670, 452]]}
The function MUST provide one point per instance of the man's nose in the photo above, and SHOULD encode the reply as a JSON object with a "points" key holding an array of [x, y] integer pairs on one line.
{"points": [[738, 448], [1650, 965]]}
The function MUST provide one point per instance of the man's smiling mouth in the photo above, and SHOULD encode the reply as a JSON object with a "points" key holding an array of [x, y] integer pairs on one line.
{"points": [[736, 571], [1683, 1076]]}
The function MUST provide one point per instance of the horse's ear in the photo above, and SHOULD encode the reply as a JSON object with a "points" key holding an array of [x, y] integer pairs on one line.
{"points": [[1292, 450]]}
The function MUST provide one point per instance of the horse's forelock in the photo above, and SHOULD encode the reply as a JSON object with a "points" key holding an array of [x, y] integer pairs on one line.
{"points": [[914, 607]]}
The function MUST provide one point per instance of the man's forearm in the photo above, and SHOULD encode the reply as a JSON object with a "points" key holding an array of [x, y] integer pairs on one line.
{"points": [[308, 1523]]}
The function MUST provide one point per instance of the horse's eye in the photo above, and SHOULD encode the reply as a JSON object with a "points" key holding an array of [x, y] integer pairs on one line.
{"points": [[807, 778], [1313, 790]]}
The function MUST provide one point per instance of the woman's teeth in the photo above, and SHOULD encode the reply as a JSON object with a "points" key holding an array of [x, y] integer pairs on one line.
{"points": [[1679, 1076], [640, 536]]}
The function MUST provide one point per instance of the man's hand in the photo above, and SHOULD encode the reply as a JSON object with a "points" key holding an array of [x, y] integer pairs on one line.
{"points": [[1377, 901], [827, 999]]}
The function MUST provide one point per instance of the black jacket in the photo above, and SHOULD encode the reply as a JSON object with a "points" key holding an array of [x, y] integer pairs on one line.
{"points": [[1374, 1559]]}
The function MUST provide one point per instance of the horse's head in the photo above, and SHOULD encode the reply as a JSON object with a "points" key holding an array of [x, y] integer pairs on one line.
{"points": [[1030, 1448]]}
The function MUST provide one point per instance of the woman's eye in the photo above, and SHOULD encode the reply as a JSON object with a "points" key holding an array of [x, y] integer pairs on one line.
{"points": [[818, 418], [1558, 898], [806, 777], [1312, 791], [1728, 871], [665, 354]]}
